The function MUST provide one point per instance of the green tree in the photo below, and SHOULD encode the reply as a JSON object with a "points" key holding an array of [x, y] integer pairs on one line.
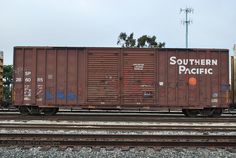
{"points": [[150, 42], [131, 41], [122, 39], [126, 41], [142, 42], [161, 45], [7, 82]]}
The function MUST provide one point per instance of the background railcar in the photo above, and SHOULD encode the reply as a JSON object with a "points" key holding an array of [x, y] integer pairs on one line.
{"points": [[1, 77]]}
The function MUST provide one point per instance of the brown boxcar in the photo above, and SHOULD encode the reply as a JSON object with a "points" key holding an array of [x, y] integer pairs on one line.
{"points": [[47, 78]]}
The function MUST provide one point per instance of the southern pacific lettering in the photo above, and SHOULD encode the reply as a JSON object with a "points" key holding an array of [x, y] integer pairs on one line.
{"points": [[185, 63]]}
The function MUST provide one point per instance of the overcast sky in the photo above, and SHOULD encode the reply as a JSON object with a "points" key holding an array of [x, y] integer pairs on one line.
{"points": [[99, 22]]}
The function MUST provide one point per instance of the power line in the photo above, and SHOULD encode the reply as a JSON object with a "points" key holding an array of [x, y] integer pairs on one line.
{"points": [[186, 22]]}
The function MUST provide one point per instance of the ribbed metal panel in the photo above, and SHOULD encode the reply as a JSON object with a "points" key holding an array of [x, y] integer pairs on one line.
{"points": [[103, 76], [138, 72]]}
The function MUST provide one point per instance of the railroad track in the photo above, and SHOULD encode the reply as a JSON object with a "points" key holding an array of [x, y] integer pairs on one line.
{"points": [[110, 133], [97, 127], [117, 140], [116, 117]]}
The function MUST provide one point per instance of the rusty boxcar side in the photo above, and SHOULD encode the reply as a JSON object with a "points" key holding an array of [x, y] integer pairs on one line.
{"points": [[121, 78]]}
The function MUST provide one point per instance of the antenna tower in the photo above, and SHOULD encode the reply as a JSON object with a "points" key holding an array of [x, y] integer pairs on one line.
{"points": [[186, 22]]}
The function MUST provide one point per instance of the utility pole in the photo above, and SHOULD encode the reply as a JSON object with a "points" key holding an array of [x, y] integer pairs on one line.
{"points": [[186, 22]]}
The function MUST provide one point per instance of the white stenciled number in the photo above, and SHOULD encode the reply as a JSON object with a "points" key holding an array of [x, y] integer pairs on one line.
{"points": [[39, 79], [18, 79], [27, 79], [138, 66], [27, 73]]}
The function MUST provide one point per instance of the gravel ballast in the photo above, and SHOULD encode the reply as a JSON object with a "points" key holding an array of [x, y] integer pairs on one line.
{"points": [[85, 152], [109, 132]]}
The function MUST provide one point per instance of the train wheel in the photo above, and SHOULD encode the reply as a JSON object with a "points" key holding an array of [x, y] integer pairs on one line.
{"points": [[211, 112], [50, 111], [34, 110], [207, 112], [217, 112], [190, 112], [24, 110]]}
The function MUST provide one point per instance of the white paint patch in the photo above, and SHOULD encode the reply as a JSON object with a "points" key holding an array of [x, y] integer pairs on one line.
{"points": [[27, 92], [214, 100]]}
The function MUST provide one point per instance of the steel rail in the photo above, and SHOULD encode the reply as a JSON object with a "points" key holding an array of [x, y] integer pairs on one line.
{"points": [[134, 118], [117, 140], [151, 128]]}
